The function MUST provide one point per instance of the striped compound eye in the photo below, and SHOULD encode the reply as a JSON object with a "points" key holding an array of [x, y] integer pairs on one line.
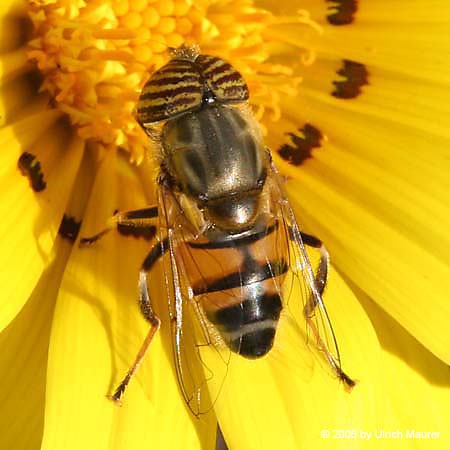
{"points": [[183, 85], [222, 79], [172, 90]]}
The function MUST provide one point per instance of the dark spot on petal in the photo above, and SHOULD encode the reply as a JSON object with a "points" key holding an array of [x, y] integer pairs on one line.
{"points": [[30, 167], [356, 76], [300, 147], [69, 228], [147, 232], [342, 12]]}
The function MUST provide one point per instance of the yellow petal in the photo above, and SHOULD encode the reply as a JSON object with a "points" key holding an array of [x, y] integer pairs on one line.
{"points": [[390, 98], [400, 274], [288, 398], [385, 35], [416, 385], [23, 361], [385, 156], [31, 220], [96, 334]]}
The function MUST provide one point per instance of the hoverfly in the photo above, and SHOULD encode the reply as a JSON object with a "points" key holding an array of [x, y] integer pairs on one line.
{"points": [[227, 231]]}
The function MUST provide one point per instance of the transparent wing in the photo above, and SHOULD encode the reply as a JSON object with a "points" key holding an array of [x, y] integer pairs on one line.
{"points": [[201, 358], [303, 279]]}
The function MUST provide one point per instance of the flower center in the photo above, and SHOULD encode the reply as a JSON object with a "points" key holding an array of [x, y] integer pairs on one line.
{"points": [[96, 55]]}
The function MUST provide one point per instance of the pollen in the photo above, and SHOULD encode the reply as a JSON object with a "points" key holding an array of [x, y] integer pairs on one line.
{"points": [[95, 56]]}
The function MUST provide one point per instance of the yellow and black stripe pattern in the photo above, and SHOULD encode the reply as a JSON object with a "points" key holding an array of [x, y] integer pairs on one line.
{"points": [[237, 284], [183, 85], [222, 79], [174, 89]]}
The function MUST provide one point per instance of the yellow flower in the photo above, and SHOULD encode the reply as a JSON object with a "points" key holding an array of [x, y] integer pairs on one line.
{"points": [[352, 99]]}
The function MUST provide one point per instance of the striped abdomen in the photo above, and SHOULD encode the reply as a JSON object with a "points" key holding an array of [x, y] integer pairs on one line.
{"points": [[237, 283]]}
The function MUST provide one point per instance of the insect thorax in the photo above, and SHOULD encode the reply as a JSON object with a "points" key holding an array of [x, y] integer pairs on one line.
{"points": [[219, 161]]}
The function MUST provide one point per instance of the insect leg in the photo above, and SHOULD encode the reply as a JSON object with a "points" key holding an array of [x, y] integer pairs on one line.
{"points": [[145, 303], [320, 278], [142, 219]]}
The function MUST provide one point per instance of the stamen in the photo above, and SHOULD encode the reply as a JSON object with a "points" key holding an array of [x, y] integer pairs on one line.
{"points": [[303, 17]]}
